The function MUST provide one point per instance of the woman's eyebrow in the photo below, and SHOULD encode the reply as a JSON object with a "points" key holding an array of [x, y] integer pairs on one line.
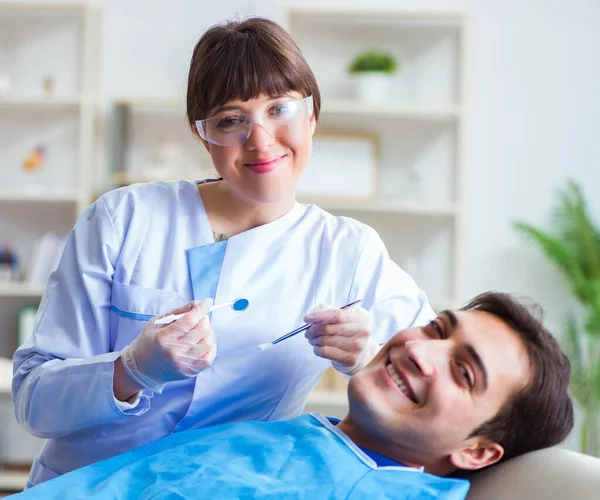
{"points": [[239, 107], [229, 107]]}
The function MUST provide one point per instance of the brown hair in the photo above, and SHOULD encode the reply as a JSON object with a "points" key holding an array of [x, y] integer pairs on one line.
{"points": [[541, 414], [241, 60]]}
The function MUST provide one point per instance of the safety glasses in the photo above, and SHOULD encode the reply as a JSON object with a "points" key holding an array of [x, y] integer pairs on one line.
{"points": [[233, 128]]}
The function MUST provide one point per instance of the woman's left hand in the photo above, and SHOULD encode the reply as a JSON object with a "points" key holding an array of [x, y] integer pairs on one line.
{"points": [[341, 335]]}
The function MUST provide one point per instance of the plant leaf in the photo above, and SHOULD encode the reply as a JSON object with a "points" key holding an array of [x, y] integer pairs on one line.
{"points": [[574, 351], [576, 229], [559, 254], [574, 247]]}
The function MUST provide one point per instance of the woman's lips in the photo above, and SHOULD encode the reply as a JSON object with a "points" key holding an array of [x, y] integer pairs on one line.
{"points": [[264, 166]]}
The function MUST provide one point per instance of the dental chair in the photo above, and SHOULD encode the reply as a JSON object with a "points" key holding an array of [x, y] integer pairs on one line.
{"points": [[550, 474]]}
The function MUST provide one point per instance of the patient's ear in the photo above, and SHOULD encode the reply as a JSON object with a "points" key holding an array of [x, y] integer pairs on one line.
{"points": [[477, 453]]}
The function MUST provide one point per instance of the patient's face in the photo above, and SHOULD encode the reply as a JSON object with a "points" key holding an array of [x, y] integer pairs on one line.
{"points": [[430, 387]]}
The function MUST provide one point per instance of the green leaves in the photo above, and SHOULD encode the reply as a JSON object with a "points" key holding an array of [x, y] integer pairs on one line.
{"points": [[382, 62], [573, 246], [551, 246], [574, 350]]}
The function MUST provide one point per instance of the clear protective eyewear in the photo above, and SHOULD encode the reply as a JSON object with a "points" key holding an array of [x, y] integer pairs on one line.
{"points": [[234, 128]]}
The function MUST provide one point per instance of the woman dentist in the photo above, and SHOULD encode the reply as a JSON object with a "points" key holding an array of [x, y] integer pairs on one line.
{"points": [[100, 377]]}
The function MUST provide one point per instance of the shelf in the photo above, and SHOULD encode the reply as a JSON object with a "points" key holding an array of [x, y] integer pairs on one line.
{"points": [[328, 398], [39, 8], [20, 289], [366, 11], [13, 481], [151, 103], [40, 102], [39, 195], [6, 375], [124, 178], [389, 111], [383, 206]]}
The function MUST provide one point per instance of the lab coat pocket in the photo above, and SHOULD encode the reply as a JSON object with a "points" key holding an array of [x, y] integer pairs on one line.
{"points": [[132, 306]]}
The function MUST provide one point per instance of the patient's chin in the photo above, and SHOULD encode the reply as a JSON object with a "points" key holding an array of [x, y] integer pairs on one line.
{"points": [[360, 387], [366, 398]]}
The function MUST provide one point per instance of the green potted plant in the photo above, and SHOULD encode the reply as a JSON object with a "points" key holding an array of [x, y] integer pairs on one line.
{"points": [[573, 245], [371, 71]]}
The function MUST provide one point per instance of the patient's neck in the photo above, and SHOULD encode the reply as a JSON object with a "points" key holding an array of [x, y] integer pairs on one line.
{"points": [[392, 450]]}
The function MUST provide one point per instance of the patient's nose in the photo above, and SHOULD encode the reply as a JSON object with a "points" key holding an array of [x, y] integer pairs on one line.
{"points": [[422, 357]]}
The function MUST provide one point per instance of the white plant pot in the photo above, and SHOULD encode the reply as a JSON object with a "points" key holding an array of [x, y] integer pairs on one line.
{"points": [[372, 87]]}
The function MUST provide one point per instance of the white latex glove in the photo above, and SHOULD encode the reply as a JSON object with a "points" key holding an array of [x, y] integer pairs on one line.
{"points": [[341, 335], [180, 350]]}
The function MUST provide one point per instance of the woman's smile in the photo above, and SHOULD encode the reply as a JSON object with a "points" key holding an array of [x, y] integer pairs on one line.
{"points": [[265, 165]]}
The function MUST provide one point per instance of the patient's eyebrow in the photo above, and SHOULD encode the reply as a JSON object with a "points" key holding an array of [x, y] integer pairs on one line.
{"points": [[473, 354], [469, 349], [451, 317]]}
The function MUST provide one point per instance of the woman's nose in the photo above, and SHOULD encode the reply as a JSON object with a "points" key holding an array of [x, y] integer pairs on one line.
{"points": [[259, 138]]}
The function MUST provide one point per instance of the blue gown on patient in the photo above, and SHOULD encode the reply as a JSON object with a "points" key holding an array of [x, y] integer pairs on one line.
{"points": [[305, 457]]}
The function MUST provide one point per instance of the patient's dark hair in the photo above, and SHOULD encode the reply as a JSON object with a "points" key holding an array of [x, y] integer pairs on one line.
{"points": [[541, 414], [243, 59]]}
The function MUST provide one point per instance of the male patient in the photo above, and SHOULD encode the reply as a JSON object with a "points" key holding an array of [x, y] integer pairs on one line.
{"points": [[469, 389]]}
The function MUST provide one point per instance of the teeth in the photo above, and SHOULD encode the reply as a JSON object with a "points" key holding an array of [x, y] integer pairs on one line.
{"points": [[396, 378]]}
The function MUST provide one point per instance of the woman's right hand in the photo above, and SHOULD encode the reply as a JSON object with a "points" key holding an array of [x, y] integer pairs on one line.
{"points": [[179, 350]]}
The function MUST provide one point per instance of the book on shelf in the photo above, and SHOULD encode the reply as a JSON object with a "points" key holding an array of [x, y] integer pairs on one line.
{"points": [[45, 256]]}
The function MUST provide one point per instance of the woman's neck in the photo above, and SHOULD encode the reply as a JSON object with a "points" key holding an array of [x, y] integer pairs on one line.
{"points": [[232, 214]]}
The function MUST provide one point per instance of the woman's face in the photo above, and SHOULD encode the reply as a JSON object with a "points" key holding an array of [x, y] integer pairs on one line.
{"points": [[266, 168]]}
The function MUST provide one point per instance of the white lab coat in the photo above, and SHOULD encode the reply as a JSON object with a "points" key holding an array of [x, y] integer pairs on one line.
{"points": [[148, 248]]}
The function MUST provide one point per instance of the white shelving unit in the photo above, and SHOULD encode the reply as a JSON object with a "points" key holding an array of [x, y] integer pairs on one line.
{"points": [[13, 482], [151, 140], [50, 54], [393, 111], [418, 207], [41, 42], [20, 289], [420, 132]]}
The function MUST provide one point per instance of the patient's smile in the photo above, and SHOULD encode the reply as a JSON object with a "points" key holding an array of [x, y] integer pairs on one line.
{"points": [[402, 385]]}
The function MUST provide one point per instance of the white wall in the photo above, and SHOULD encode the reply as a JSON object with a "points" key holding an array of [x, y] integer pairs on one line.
{"points": [[534, 75], [534, 80]]}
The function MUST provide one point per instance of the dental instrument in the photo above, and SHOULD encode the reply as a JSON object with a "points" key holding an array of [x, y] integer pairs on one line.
{"points": [[237, 305], [268, 345]]}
